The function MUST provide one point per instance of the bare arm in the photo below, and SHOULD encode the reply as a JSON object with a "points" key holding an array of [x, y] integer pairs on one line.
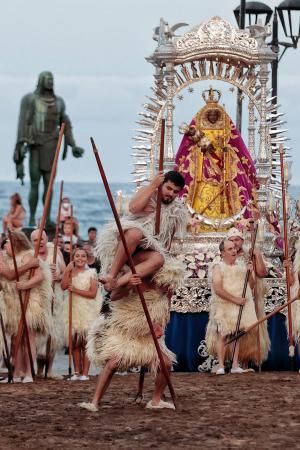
{"points": [[67, 276], [140, 200], [260, 266], [90, 293], [10, 274], [18, 210], [217, 282], [34, 280]]}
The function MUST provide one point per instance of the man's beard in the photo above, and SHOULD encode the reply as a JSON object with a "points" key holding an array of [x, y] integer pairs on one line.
{"points": [[167, 201]]}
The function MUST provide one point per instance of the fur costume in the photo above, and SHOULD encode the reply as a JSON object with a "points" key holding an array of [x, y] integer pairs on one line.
{"points": [[84, 310], [124, 335], [38, 314], [295, 307], [57, 336], [173, 219], [223, 314]]}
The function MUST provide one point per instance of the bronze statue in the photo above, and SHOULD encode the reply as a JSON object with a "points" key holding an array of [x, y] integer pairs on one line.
{"points": [[41, 115]]}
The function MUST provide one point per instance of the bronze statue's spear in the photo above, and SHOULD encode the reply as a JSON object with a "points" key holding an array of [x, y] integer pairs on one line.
{"points": [[41, 228], [132, 268], [48, 346], [139, 395]]}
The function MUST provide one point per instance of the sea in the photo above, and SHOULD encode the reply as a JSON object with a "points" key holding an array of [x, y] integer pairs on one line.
{"points": [[89, 201]]}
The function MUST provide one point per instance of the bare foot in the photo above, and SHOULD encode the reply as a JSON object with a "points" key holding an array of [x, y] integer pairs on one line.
{"points": [[108, 282]]}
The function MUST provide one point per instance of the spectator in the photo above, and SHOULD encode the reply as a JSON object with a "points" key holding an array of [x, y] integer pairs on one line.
{"points": [[65, 211], [92, 236], [16, 214], [92, 262]]}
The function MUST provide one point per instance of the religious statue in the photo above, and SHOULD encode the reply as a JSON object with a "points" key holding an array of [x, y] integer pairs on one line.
{"points": [[41, 114], [220, 177]]}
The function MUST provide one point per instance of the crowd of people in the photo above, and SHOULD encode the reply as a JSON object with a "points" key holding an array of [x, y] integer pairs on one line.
{"points": [[114, 335]]}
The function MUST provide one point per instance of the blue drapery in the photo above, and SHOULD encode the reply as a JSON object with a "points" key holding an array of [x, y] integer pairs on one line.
{"points": [[185, 332]]}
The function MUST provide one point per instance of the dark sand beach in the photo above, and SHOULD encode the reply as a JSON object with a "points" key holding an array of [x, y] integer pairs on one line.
{"points": [[227, 412]]}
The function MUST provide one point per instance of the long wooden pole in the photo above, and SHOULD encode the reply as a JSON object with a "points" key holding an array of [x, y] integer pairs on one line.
{"points": [[139, 395], [22, 308], [286, 252], [132, 268], [256, 300], [48, 346], [41, 228], [256, 324], [238, 322], [71, 302]]}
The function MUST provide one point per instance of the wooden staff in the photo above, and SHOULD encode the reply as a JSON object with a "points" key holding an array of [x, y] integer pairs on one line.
{"points": [[41, 228], [48, 346], [256, 324], [71, 302], [132, 268], [286, 252], [212, 200], [22, 307], [256, 300], [238, 322], [139, 395], [6, 353]]}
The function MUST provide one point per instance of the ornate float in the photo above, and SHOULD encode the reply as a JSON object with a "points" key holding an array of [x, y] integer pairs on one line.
{"points": [[227, 182]]}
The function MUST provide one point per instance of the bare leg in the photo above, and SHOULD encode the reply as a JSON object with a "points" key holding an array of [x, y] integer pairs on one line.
{"points": [[220, 347], [133, 237], [235, 362], [18, 361], [40, 366], [104, 379], [160, 383], [76, 358], [152, 262], [86, 361], [27, 367]]}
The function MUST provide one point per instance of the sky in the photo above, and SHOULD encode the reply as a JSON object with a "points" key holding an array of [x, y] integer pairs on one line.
{"points": [[96, 50]]}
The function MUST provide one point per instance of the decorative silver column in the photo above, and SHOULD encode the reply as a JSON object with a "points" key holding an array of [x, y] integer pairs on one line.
{"points": [[170, 78], [251, 130]]}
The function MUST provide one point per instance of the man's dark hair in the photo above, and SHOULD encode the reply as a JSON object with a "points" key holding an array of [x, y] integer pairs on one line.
{"points": [[92, 229], [175, 177], [222, 246]]}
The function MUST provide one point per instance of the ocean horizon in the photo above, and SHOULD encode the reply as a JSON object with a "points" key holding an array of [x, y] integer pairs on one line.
{"points": [[89, 201]]}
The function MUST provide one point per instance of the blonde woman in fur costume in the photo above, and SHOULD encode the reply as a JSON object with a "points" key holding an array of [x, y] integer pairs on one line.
{"points": [[46, 251], [256, 344], [82, 282], [123, 340], [139, 229], [38, 314], [228, 278]]}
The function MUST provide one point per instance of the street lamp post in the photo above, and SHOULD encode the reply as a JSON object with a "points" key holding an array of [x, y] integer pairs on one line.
{"points": [[289, 15]]}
